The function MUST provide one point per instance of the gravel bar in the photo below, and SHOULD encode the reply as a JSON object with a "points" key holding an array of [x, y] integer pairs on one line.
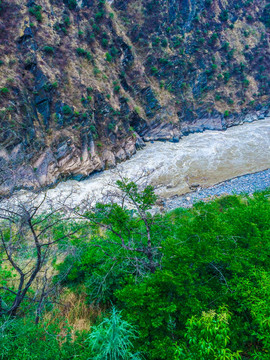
{"points": [[247, 184]]}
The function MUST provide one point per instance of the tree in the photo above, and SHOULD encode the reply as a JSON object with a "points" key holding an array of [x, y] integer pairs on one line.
{"points": [[128, 224], [30, 243], [124, 239]]}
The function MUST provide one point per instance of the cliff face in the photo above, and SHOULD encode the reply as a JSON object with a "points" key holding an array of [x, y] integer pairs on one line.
{"points": [[82, 82]]}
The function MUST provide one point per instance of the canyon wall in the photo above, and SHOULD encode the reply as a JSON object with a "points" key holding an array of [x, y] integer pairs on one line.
{"points": [[84, 83]]}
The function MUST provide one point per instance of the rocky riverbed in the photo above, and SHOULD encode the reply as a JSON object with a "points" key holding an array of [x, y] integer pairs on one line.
{"points": [[246, 184]]}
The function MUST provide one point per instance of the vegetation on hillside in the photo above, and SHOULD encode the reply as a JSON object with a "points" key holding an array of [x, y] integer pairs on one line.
{"points": [[117, 281]]}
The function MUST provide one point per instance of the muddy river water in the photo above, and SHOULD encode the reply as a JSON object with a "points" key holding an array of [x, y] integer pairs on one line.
{"points": [[201, 159]]}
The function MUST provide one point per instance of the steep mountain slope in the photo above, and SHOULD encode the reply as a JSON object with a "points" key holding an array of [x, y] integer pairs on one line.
{"points": [[82, 82]]}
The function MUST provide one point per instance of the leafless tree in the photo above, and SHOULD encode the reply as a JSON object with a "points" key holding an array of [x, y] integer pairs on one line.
{"points": [[30, 240]]}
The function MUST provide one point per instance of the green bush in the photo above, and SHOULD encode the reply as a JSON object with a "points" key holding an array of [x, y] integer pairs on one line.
{"points": [[67, 110], [226, 76], [36, 11], [95, 28], [4, 91], [99, 15], [66, 21], [154, 70], [225, 46], [83, 53], [177, 41], [116, 89], [92, 128], [96, 71], [156, 41], [224, 16], [109, 57], [246, 82], [213, 38], [112, 339], [207, 337], [113, 51], [111, 126], [48, 49], [164, 43], [105, 42]]}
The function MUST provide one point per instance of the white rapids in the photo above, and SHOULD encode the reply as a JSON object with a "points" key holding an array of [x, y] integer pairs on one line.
{"points": [[202, 159]]}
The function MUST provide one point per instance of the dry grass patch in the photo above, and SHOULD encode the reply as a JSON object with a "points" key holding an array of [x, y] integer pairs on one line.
{"points": [[73, 311]]}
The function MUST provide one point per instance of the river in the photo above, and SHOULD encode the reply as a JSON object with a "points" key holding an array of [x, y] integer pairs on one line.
{"points": [[202, 159]]}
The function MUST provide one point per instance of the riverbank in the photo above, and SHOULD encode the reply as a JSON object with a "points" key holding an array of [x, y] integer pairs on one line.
{"points": [[243, 184]]}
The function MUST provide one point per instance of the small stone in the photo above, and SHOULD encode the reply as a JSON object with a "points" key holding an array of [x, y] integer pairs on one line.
{"points": [[194, 186]]}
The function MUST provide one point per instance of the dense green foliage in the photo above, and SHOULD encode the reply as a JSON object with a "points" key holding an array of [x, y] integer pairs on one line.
{"points": [[22, 339], [206, 297]]}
